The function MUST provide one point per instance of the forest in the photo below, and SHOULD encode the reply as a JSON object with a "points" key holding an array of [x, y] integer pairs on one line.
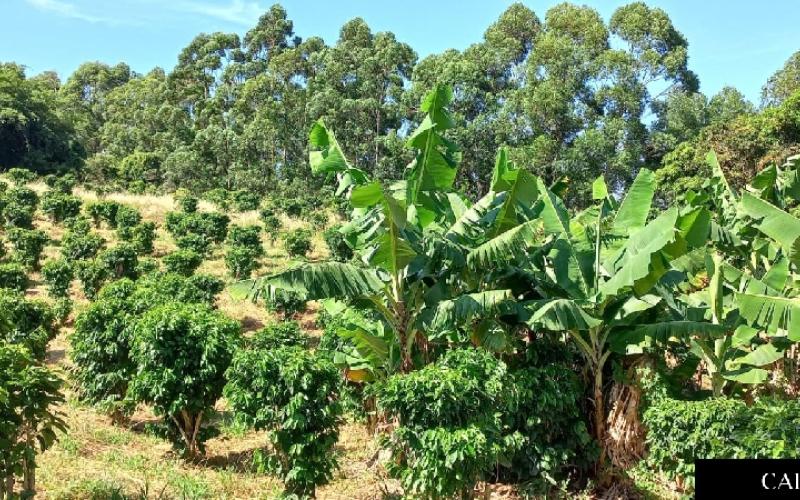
{"points": [[546, 266]]}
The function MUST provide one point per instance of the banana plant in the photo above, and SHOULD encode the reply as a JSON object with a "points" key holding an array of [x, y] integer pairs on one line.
{"points": [[599, 276], [409, 277], [749, 266]]}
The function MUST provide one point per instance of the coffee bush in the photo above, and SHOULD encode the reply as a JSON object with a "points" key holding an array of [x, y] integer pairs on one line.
{"points": [[183, 262], [28, 246], [59, 206], [297, 405], [58, 275], [297, 243], [13, 276], [184, 392]]}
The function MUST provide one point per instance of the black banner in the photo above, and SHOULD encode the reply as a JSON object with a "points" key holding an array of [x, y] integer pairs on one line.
{"points": [[747, 478]]}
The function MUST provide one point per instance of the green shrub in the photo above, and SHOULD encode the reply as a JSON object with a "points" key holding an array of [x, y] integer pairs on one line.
{"points": [[101, 351], [58, 275], [78, 244], [103, 211], [241, 261], [59, 206], [28, 245], [337, 244], [187, 204], [64, 184], [29, 419], [280, 334], [16, 215], [13, 277], [183, 262], [450, 434], [21, 195], [272, 223], [298, 406], [186, 391], [147, 265], [127, 217], [62, 308], [206, 288], [21, 176], [195, 242], [219, 197], [141, 236], [244, 200], [318, 218], [285, 302], [297, 243], [92, 274], [247, 237], [212, 225], [31, 322], [120, 261]]}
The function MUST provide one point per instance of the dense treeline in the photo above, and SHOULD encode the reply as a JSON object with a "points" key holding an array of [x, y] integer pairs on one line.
{"points": [[571, 95]]}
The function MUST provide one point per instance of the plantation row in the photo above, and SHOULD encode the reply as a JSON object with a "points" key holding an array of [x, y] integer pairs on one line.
{"points": [[506, 340]]}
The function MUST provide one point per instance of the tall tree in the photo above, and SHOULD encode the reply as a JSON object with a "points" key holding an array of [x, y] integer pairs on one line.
{"points": [[357, 89], [784, 83]]}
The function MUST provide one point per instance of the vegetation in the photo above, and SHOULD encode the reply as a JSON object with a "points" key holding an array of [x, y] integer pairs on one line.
{"points": [[550, 265]]}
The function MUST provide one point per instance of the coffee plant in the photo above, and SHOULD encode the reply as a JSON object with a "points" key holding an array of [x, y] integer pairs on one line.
{"points": [[13, 276], [28, 246], [297, 243], [58, 275], [183, 392], [298, 406], [183, 262]]}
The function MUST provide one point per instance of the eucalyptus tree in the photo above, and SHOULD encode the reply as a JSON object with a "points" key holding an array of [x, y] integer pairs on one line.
{"points": [[587, 87], [357, 88]]}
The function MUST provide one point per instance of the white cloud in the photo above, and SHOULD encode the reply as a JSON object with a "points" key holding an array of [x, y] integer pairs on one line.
{"points": [[237, 11], [66, 9]]}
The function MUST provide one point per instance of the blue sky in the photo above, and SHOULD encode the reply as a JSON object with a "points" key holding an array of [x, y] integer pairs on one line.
{"points": [[732, 42]]}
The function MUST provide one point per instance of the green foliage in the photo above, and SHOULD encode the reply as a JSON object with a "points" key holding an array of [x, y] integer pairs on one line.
{"points": [[80, 243], [101, 351], [13, 276], [92, 274], [203, 342], [339, 249], [120, 261], [211, 225], [195, 242], [206, 287], [104, 211], [244, 200], [284, 302], [21, 176], [247, 237], [679, 431], [183, 262], [218, 197], [187, 203], [298, 407], [28, 245], [31, 322], [126, 217], [272, 223], [18, 206], [241, 261], [280, 334], [60, 206], [297, 243], [141, 236], [450, 433], [29, 419], [58, 275]]}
